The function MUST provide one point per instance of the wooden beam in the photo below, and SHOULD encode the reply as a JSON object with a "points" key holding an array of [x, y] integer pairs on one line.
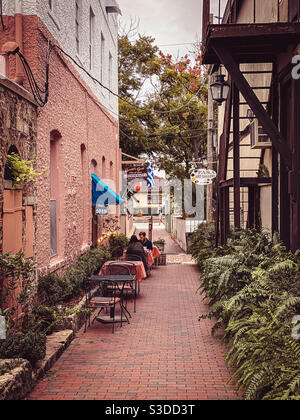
{"points": [[236, 157], [275, 161], [247, 182], [266, 31], [294, 175], [268, 125], [223, 161], [205, 19], [130, 162], [225, 137]]}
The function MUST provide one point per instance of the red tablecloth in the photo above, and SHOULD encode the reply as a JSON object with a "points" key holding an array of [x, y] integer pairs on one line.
{"points": [[155, 252], [140, 269], [150, 258]]}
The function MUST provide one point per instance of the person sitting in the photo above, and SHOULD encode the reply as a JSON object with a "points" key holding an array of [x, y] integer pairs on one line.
{"points": [[145, 241], [136, 248]]}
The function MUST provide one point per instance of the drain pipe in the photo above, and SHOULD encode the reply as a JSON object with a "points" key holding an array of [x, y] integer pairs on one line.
{"points": [[19, 40]]}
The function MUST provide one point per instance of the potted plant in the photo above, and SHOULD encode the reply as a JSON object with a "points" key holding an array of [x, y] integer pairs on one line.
{"points": [[22, 171], [160, 244]]}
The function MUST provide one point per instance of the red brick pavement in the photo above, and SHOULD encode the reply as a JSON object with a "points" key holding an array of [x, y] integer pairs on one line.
{"points": [[164, 354]]}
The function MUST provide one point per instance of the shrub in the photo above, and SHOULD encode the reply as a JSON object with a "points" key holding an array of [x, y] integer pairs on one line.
{"points": [[117, 244], [202, 244], [30, 345], [54, 289], [253, 289]]}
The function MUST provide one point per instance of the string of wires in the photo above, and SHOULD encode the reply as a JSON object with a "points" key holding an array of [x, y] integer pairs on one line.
{"points": [[41, 96]]}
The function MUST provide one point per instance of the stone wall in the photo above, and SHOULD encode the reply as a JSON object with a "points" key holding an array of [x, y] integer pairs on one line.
{"points": [[18, 125]]}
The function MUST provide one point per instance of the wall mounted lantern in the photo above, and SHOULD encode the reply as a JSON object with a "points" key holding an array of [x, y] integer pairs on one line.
{"points": [[220, 89], [250, 115]]}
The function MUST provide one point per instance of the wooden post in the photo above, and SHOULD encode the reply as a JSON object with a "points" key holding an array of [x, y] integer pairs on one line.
{"points": [[151, 228], [205, 20], [236, 157], [275, 160], [210, 154]]}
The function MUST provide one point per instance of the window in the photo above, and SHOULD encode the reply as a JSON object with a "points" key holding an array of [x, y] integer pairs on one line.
{"points": [[103, 168], [94, 167], [102, 53], [56, 196], [91, 39], [110, 67], [77, 26], [85, 196], [111, 170]]}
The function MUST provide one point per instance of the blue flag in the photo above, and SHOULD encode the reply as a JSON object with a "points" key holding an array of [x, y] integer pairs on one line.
{"points": [[150, 179]]}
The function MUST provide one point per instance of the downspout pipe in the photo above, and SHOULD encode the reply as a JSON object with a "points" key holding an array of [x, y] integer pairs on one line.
{"points": [[19, 40]]}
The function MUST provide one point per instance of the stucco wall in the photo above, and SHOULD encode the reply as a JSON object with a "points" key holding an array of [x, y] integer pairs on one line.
{"points": [[61, 24], [80, 120], [75, 113]]}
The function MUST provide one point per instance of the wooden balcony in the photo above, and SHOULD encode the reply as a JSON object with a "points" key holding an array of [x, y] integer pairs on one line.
{"points": [[250, 43]]}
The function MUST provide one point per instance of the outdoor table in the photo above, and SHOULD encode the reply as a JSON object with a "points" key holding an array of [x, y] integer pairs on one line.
{"points": [[139, 265], [122, 279], [149, 258], [155, 252]]}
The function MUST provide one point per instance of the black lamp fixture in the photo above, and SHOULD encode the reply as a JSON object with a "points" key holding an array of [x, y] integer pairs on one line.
{"points": [[220, 89]]}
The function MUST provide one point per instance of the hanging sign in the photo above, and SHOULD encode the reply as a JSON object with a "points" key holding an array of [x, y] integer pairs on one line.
{"points": [[203, 176], [137, 173]]}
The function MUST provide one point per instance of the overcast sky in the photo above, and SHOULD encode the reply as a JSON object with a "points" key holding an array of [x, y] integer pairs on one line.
{"points": [[168, 21]]}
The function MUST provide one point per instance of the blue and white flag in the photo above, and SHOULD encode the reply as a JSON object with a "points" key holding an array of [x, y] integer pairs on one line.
{"points": [[150, 179]]}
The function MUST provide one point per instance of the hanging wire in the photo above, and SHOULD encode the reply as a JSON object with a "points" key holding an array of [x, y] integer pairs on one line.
{"points": [[38, 92], [1, 15]]}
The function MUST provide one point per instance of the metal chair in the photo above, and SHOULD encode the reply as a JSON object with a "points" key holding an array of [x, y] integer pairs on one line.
{"points": [[104, 302], [119, 269], [138, 258], [133, 258]]}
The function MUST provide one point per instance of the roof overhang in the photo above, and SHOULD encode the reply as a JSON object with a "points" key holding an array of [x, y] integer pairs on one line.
{"points": [[112, 7], [250, 43]]}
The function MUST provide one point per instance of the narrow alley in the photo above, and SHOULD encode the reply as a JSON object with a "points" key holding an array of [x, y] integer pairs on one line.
{"points": [[164, 354]]}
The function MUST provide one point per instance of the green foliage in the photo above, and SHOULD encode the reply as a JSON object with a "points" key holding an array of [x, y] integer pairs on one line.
{"points": [[203, 243], [253, 288], [117, 245], [138, 62], [169, 121], [22, 170], [29, 345], [16, 279], [54, 289]]}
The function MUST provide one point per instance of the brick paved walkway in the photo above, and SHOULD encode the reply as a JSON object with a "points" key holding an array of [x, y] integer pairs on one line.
{"points": [[164, 354]]}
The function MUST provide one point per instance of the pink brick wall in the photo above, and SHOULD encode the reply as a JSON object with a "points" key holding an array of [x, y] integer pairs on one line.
{"points": [[76, 114]]}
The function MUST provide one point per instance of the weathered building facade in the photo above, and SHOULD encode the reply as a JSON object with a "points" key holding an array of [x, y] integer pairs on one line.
{"points": [[77, 130], [259, 164], [18, 130]]}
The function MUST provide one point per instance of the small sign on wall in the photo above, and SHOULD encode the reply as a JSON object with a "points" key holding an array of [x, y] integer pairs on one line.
{"points": [[101, 211]]}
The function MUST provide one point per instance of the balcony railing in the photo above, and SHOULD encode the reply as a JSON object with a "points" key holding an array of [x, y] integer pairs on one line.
{"points": [[226, 12]]}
